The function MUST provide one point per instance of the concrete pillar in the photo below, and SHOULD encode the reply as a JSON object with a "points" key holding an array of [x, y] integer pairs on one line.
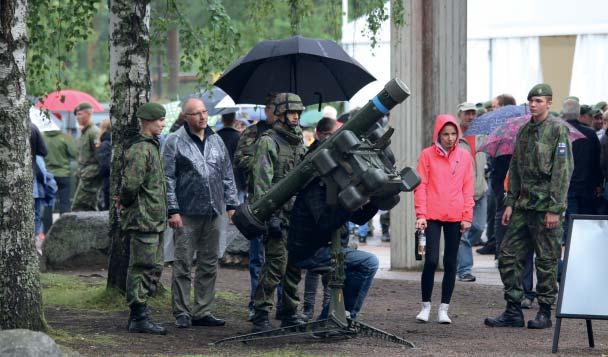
{"points": [[429, 54]]}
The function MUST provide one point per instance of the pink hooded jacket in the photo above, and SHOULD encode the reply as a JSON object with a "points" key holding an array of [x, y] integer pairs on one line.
{"points": [[447, 181]]}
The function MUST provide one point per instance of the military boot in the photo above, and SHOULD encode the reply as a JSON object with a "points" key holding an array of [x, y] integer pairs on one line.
{"points": [[542, 319], [140, 322], [292, 320], [260, 322], [511, 317]]}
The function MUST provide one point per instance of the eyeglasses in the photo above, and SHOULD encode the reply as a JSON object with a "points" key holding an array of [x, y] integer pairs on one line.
{"points": [[198, 114]]}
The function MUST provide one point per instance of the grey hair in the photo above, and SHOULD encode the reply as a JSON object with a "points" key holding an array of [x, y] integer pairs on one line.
{"points": [[571, 109], [187, 100]]}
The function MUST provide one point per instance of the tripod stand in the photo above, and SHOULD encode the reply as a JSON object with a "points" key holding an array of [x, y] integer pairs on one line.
{"points": [[337, 323]]}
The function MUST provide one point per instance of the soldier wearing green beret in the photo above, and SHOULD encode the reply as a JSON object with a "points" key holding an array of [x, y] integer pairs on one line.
{"points": [[539, 177], [85, 198], [143, 216]]}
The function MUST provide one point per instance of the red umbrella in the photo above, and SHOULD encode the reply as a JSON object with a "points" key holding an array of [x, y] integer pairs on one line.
{"points": [[67, 99]]}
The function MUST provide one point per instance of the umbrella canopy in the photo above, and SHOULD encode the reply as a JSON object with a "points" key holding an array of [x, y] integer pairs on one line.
{"points": [[211, 97], [316, 70], [502, 140], [310, 118], [42, 120], [66, 100], [486, 123]]}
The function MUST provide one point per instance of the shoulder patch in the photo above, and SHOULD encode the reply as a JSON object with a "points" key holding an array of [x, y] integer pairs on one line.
{"points": [[561, 150]]}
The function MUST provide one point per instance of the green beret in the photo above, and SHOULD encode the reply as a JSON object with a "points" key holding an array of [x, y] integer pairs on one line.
{"points": [[540, 90], [151, 111], [82, 106]]}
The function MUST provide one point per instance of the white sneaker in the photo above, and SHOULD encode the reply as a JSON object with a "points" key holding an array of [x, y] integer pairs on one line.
{"points": [[442, 314], [423, 316]]}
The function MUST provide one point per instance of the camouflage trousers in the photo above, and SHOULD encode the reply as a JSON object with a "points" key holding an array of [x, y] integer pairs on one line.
{"points": [[145, 266], [527, 232], [85, 198], [274, 271]]}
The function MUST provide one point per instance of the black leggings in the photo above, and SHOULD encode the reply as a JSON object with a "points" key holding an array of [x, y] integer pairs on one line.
{"points": [[451, 232]]}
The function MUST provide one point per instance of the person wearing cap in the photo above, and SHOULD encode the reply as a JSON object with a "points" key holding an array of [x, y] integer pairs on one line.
{"points": [[466, 113], [142, 204], [598, 122], [277, 152], [200, 191], [539, 176], [85, 198]]}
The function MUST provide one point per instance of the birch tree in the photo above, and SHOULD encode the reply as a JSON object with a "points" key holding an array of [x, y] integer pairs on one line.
{"points": [[20, 292]]}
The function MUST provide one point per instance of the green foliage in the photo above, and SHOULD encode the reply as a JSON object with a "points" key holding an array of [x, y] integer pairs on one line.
{"points": [[54, 28]]}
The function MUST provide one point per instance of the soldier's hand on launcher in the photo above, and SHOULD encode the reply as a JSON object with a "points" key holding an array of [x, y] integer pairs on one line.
{"points": [[464, 226], [551, 220]]}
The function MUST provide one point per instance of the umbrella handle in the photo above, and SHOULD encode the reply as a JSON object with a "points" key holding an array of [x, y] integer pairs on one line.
{"points": [[320, 99]]}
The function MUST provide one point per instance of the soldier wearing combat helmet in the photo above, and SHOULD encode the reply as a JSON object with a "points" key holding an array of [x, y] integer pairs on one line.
{"points": [[539, 176], [143, 216], [278, 151]]}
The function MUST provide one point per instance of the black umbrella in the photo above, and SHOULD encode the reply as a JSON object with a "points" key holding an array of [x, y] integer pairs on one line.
{"points": [[316, 70]]}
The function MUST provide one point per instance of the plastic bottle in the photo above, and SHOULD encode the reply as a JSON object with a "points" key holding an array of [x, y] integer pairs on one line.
{"points": [[421, 243]]}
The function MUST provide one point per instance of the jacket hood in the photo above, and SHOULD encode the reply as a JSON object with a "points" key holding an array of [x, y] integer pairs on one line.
{"points": [[441, 121]]}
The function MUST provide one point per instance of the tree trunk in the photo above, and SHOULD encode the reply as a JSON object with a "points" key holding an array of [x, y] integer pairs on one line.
{"points": [[173, 59], [20, 294], [129, 88]]}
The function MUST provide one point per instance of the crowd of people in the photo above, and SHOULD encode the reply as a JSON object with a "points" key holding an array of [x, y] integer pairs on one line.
{"points": [[192, 178]]}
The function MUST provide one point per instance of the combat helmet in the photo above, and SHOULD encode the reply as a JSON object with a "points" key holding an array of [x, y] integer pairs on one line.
{"points": [[284, 102]]}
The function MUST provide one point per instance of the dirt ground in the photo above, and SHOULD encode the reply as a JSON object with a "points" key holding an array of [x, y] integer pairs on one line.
{"points": [[390, 306]]}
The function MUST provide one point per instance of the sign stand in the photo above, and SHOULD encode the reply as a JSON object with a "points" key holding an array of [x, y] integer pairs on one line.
{"points": [[590, 232]]}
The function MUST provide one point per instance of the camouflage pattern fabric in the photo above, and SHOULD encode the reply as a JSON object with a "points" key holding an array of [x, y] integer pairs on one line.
{"points": [[245, 151], [278, 151], [145, 266], [527, 232], [284, 102], [385, 221], [85, 198], [143, 192], [541, 167], [539, 176]]}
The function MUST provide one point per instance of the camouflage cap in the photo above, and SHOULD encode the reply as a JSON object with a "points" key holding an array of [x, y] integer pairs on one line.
{"points": [[571, 97], [585, 109], [487, 104], [540, 90], [151, 111], [481, 111], [601, 105], [284, 102], [82, 106], [596, 112]]}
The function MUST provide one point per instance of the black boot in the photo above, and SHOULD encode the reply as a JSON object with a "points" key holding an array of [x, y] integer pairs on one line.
{"points": [[140, 322], [542, 319], [292, 320], [261, 322], [512, 317]]}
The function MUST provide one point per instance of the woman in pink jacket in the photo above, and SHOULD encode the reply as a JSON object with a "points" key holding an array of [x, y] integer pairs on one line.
{"points": [[444, 199]]}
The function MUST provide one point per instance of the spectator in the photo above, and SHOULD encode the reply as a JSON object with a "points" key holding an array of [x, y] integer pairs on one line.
{"points": [[37, 148], [466, 114], [230, 136], [502, 100], [443, 200], [85, 198], [104, 157], [200, 187], [598, 122]]}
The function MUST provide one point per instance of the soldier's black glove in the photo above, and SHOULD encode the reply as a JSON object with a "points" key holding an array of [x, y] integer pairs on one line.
{"points": [[273, 227]]}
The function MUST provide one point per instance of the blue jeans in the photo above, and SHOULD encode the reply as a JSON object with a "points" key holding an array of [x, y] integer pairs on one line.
{"points": [[465, 250], [37, 216], [359, 267], [362, 231]]}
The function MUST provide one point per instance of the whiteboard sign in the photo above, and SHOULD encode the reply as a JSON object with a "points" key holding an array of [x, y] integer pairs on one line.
{"points": [[584, 288]]}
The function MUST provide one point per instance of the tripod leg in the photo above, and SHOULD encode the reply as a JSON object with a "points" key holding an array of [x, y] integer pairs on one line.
{"points": [[590, 334], [558, 326]]}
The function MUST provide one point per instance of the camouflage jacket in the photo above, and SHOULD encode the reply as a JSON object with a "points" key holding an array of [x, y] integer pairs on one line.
{"points": [[88, 167], [245, 151], [277, 152], [143, 192], [541, 167]]}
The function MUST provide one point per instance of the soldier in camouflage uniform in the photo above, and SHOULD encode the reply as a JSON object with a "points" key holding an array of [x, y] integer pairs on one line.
{"points": [[278, 151], [539, 175], [143, 216], [85, 198], [244, 163]]}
